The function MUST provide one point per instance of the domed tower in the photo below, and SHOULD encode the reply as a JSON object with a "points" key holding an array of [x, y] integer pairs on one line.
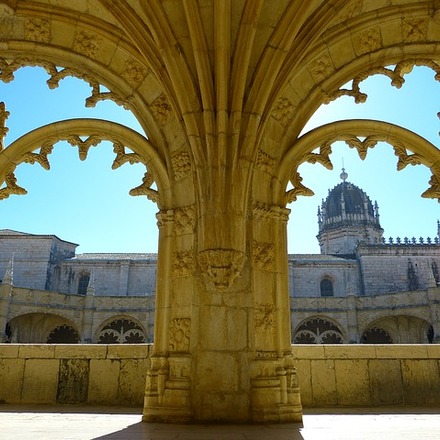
{"points": [[347, 217]]}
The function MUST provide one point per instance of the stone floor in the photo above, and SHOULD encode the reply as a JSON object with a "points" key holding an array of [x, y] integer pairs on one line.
{"points": [[79, 423]]}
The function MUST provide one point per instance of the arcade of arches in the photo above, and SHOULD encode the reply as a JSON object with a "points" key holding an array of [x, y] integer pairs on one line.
{"points": [[223, 89]]}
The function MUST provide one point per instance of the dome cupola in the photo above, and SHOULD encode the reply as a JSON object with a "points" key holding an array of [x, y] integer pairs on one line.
{"points": [[347, 217]]}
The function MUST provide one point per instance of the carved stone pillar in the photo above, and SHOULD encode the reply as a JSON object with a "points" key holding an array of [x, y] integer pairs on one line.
{"points": [[274, 384], [167, 393]]}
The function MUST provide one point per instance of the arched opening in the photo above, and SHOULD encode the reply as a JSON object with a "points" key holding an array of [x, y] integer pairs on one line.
{"points": [[41, 328], [86, 201], [121, 331], [318, 330], [413, 106]]}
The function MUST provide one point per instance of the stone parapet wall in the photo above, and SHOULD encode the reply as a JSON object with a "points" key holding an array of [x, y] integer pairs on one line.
{"points": [[329, 375], [368, 375], [76, 374]]}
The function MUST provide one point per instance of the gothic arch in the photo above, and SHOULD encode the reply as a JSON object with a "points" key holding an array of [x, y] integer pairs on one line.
{"points": [[318, 330], [403, 329], [121, 329], [360, 134], [93, 131], [36, 327]]}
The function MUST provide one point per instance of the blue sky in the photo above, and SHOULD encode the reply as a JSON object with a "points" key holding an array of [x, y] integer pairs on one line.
{"points": [[88, 203]]}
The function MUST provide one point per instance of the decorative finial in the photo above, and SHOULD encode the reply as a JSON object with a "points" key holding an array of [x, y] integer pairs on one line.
{"points": [[343, 175]]}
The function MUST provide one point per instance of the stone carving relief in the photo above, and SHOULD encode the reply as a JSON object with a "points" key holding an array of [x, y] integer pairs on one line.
{"points": [[183, 263], [264, 255], [185, 219], [415, 29], [265, 317], [134, 72], [265, 162], [434, 191], [322, 67], [369, 41], [298, 189], [37, 29], [165, 217], [283, 111], [361, 146], [87, 43], [161, 109], [145, 189], [181, 164], [221, 266], [179, 336], [271, 212], [405, 158]]}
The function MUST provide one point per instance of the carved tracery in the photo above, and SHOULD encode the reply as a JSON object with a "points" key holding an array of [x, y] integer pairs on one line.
{"points": [[396, 75], [361, 135], [42, 146], [56, 74]]}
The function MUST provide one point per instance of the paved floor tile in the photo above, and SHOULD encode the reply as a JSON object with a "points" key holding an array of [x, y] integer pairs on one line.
{"points": [[85, 423]]}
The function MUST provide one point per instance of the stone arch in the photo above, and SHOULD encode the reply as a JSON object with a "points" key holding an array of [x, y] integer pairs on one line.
{"points": [[121, 329], [92, 131], [36, 327], [360, 134], [401, 329], [318, 330]]}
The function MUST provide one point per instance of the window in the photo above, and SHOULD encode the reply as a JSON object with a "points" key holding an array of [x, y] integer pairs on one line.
{"points": [[83, 283], [326, 287]]}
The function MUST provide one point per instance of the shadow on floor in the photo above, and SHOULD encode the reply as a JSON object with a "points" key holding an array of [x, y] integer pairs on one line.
{"points": [[153, 431]]}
